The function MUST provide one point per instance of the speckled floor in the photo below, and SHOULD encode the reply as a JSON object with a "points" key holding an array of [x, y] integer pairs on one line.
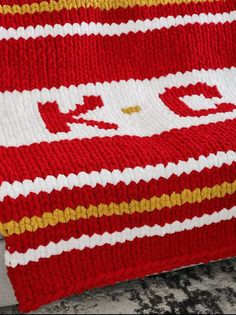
{"points": [[205, 289]]}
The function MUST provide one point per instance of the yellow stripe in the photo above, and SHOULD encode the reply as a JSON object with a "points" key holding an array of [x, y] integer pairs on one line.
{"points": [[131, 109], [149, 205], [52, 5]]}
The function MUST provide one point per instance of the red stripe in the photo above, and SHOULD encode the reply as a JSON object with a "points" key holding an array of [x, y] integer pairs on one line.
{"points": [[73, 272], [74, 156], [114, 16], [115, 223], [25, 64], [37, 204], [21, 2]]}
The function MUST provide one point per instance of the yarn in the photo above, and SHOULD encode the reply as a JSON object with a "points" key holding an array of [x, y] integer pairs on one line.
{"points": [[117, 140]]}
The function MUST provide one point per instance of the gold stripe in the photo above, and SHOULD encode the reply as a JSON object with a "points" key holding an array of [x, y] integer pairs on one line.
{"points": [[149, 205], [131, 109], [52, 5]]}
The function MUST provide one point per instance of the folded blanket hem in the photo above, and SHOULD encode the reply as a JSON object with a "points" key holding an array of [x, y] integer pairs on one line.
{"points": [[148, 269]]}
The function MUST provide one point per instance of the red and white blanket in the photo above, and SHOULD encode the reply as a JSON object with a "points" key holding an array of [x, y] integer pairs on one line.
{"points": [[117, 140]]}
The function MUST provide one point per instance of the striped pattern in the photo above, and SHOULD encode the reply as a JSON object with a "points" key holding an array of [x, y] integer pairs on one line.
{"points": [[16, 258], [52, 5], [115, 29], [76, 71], [115, 176], [149, 205], [117, 140], [120, 15]]}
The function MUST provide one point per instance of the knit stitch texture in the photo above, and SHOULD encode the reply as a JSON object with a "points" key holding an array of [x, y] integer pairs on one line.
{"points": [[117, 140]]}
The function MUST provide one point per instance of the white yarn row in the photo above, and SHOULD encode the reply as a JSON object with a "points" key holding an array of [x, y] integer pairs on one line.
{"points": [[115, 176], [93, 28]]}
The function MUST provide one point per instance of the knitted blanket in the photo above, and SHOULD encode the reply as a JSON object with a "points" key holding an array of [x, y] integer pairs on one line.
{"points": [[117, 140]]}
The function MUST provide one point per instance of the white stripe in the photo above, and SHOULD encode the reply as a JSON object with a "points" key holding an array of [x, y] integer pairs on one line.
{"points": [[85, 241], [22, 124], [114, 177], [114, 29]]}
